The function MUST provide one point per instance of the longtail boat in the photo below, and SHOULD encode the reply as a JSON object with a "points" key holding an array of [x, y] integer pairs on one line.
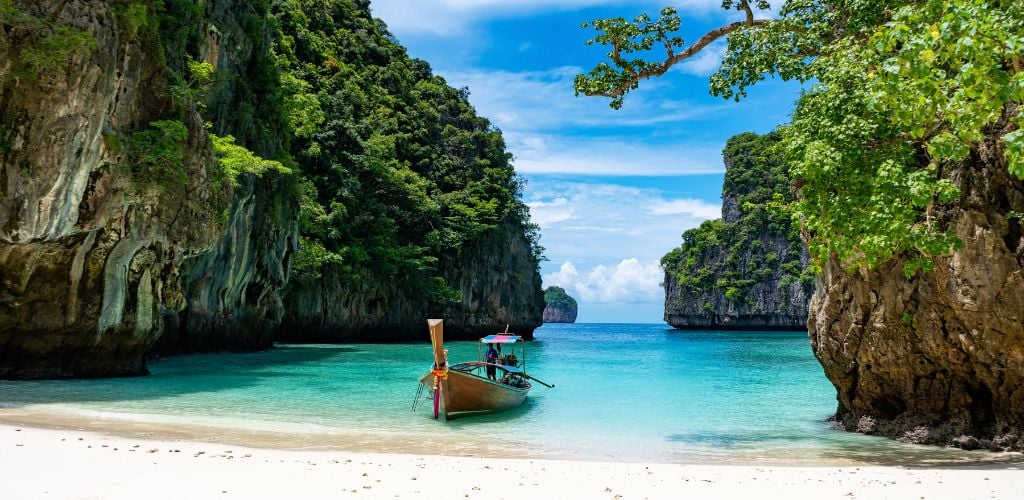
{"points": [[496, 383]]}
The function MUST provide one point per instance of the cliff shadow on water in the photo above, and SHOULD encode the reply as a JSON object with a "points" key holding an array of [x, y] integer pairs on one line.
{"points": [[180, 375]]}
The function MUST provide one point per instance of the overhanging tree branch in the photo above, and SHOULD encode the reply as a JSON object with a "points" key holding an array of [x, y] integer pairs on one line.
{"points": [[672, 58], [623, 74]]}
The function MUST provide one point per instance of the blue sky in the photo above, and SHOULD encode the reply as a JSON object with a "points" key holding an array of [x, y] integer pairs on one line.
{"points": [[612, 190]]}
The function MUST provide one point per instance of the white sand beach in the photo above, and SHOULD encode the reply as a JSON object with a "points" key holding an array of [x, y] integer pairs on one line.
{"points": [[76, 464]]}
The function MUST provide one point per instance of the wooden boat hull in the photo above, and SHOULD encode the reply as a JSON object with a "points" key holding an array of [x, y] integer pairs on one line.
{"points": [[463, 391], [465, 394]]}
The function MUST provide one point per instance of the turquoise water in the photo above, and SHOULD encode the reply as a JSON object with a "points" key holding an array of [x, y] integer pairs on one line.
{"points": [[623, 392]]}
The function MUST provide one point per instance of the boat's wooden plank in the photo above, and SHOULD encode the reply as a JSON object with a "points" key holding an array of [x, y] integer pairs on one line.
{"points": [[464, 392], [437, 339]]}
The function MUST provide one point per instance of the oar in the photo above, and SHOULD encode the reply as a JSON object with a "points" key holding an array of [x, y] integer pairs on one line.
{"points": [[541, 382]]}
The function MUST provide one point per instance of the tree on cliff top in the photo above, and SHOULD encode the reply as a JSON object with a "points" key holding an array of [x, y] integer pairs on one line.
{"points": [[555, 296], [904, 90]]}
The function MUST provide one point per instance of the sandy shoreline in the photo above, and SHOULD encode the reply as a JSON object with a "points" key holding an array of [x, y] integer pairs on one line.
{"points": [[74, 464], [310, 439], [444, 441]]}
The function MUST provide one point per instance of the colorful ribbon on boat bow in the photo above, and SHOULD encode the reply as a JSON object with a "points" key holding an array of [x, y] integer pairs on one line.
{"points": [[439, 375]]}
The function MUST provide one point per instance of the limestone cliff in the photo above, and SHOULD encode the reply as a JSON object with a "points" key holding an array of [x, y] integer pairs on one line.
{"points": [[413, 209], [748, 269], [496, 281], [939, 358], [233, 292], [155, 158], [100, 246], [559, 307], [233, 295]]}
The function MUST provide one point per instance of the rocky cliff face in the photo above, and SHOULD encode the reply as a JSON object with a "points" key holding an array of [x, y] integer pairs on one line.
{"points": [[122, 233], [233, 293], [559, 315], [496, 281], [93, 259], [559, 307], [746, 271], [771, 303], [233, 298], [939, 358]]}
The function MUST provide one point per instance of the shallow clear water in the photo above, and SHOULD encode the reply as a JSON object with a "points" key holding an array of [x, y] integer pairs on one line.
{"points": [[623, 392]]}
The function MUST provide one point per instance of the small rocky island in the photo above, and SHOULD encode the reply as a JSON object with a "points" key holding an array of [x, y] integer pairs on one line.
{"points": [[559, 307], [747, 270]]}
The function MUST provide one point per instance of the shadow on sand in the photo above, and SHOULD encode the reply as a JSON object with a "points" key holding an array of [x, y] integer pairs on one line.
{"points": [[853, 448]]}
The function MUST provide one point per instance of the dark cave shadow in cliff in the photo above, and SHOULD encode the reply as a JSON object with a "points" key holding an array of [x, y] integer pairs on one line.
{"points": [[171, 376]]}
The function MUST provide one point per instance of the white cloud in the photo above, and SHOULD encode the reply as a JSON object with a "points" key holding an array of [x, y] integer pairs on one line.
{"points": [[696, 208], [706, 62], [630, 281], [534, 109], [566, 155], [547, 213], [544, 100], [611, 207], [566, 277], [597, 223], [453, 17]]}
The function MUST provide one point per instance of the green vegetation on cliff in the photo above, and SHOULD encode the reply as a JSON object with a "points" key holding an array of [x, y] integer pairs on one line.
{"points": [[396, 171], [45, 46], [184, 138], [555, 296], [559, 306], [156, 156], [401, 171], [730, 255], [904, 90]]}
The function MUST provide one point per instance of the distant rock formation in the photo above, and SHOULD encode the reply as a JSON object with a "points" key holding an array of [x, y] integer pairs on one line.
{"points": [[559, 307], [747, 270]]}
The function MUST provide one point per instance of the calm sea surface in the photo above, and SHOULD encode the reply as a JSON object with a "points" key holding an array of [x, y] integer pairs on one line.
{"points": [[623, 392]]}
